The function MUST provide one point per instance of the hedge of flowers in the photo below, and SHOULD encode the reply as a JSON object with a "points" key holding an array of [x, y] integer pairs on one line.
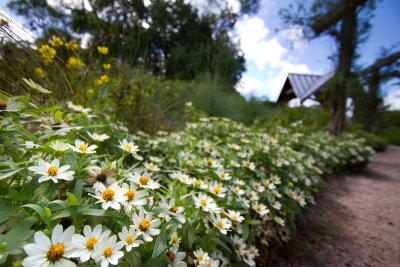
{"points": [[78, 189]]}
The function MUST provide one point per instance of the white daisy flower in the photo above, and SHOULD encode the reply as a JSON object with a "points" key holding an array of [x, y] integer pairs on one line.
{"points": [[171, 207], [223, 175], [176, 257], [201, 257], [52, 171], [276, 204], [280, 221], [78, 108], [248, 258], [146, 225], [129, 238], [206, 203], [212, 163], [108, 251], [257, 186], [144, 180], [135, 198], [210, 263], [110, 197], [239, 243], [155, 159], [222, 224], [98, 137], [260, 209], [183, 178], [59, 146], [129, 147], [175, 239], [217, 189], [252, 196], [275, 179], [83, 148], [238, 191], [84, 244], [249, 165], [269, 185], [36, 86], [199, 184], [235, 216], [45, 252], [10, 105], [235, 164], [150, 167]]}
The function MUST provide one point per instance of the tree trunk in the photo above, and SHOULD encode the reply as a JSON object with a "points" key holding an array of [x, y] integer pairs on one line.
{"points": [[338, 93]]}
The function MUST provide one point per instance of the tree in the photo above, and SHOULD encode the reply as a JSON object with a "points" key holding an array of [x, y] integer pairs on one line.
{"points": [[343, 20]]}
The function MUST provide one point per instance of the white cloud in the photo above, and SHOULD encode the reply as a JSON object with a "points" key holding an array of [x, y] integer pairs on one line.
{"points": [[393, 100], [255, 45], [66, 5], [247, 86]]}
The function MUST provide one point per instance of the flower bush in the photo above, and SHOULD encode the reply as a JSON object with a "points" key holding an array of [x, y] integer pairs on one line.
{"points": [[78, 189]]}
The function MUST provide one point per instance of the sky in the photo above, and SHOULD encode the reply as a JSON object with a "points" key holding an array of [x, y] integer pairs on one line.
{"points": [[270, 55]]}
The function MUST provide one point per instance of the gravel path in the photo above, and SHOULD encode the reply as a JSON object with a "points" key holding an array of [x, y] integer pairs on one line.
{"points": [[356, 221]]}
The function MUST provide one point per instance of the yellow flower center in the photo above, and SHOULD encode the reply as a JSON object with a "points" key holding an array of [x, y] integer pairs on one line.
{"points": [[82, 147], [128, 147], [258, 208], [3, 105], [198, 182], [209, 162], [203, 202], [291, 194], [222, 175], [107, 252], [222, 214], [201, 258], [246, 255], [52, 171], [130, 194], [234, 216], [90, 243], [108, 194], [210, 149], [151, 167], [171, 256], [253, 251], [276, 162], [80, 106], [274, 178], [144, 180], [144, 225], [237, 190], [273, 202], [267, 183], [216, 190], [174, 209], [256, 186], [220, 224], [251, 194], [298, 199], [98, 136], [55, 252], [248, 163], [238, 245], [262, 145], [129, 240], [208, 265]]}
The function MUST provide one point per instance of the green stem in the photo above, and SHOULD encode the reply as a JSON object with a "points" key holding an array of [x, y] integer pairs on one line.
{"points": [[45, 189]]}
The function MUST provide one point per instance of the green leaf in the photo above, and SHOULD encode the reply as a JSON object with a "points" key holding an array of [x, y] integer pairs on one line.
{"points": [[71, 199], [39, 210], [8, 174], [134, 259], [78, 189], [159, 247], [17, 233]]}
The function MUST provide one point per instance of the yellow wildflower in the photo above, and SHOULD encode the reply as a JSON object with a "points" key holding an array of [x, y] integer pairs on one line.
{"points": [[98, 82], [47, 53], [90, 91], [105, 78], [56, 42], [102, 50], [75, 63], [39, 72], [71, 45], [106, 66]]}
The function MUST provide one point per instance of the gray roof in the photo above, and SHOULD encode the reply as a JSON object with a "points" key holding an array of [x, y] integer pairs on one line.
{"points": [[305, 85]]}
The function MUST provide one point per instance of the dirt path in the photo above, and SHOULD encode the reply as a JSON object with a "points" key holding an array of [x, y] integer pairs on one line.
{"points": [[356, 221]]}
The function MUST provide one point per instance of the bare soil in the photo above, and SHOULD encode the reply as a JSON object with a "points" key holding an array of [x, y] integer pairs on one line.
{"points": [[356, 221]]}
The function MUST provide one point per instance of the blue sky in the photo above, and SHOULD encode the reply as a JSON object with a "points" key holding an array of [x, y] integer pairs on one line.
{"points": [[269, 55]]}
